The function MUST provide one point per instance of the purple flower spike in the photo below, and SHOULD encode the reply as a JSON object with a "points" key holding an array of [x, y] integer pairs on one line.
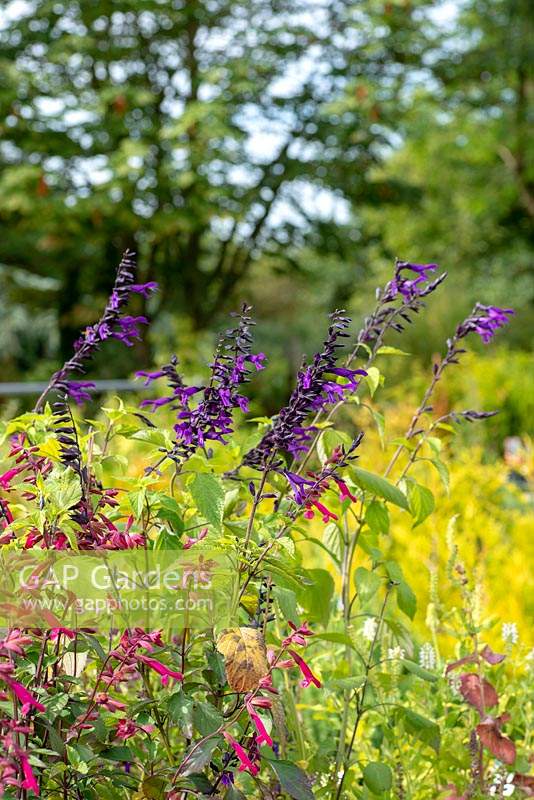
{"points": [[314, 391], [110, 325], [484, 320], [406, 285], [210, 419]]}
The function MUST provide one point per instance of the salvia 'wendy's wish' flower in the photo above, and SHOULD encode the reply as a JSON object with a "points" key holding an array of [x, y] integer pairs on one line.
{"points": [[161, 669], [317, 387], [25, 697], [245, 763], [308, 676], [211, 418], [252, 703], [111, 325]]}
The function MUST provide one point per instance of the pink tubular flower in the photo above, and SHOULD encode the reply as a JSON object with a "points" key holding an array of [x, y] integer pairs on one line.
{"points": [[161, 669], [26, 698], [125, 729], [15, 642], [344, 492], [107, 702], [327, 515], [29, 781], [55, 633], [262, 735], [298, 635], [246, 763], [191, 540], [8, 476], [309, 677]]}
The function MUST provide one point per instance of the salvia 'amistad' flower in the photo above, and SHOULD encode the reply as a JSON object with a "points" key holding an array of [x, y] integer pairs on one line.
{"points": [[112, 324], [210, 418], [317, 386], [484, 320]]}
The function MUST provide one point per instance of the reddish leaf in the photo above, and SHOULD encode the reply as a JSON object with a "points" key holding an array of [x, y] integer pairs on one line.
{"points": [[490, 656], [480, 697], [491, 737], [525, 783]]}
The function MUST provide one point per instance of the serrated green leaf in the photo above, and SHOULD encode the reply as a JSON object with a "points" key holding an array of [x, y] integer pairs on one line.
{"points": [[420, 501], [373, 379], [200, 755], [377, 517], [367, 584], [208, 495], [406, 599], [293, 779]]}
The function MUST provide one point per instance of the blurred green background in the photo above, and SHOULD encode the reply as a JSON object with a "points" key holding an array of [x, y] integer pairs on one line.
{"points": [[279, 151]]}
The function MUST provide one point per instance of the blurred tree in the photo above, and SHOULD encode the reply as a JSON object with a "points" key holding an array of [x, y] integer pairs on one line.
{"points": [[467, 148], [208, 134]]}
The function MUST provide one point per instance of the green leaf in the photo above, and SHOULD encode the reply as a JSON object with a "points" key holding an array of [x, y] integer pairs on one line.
{"points": [[317, 598], [387, 350], [208, 495], [293, 779], [348, 683], [422, 728], [415, 669], [379, 486], [377, 517], [117, 753], [201, 755], [420, 501], [338, 638], [367, 584], [170, 511], [406, 599], [442, 471], [377, 777], [287, 602], [206, 718], [372, 379]]}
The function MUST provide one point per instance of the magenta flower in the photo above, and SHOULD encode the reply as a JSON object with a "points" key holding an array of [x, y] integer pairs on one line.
{"points": [[23, 695], [245, 762], [309, 677], [251, 704], [8, 476], [191, 540], [161, 669], [125, 729], [344, 492], [298, 636], [30, 781]]}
